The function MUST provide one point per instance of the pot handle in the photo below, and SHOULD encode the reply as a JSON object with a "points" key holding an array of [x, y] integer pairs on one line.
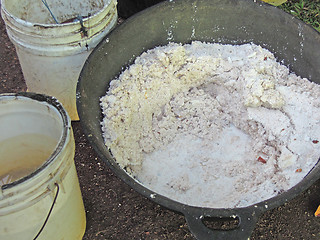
{"points": [[247, 222]]}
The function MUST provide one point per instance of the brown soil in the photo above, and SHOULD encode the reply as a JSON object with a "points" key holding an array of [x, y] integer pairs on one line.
{"points": [[115, 211]]}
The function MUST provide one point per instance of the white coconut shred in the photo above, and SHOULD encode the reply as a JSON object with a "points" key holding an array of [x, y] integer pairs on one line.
{"points": [[213, 125]]}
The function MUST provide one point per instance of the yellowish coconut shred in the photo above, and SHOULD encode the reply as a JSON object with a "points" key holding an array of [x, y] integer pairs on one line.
{"points": [[213, 125]]}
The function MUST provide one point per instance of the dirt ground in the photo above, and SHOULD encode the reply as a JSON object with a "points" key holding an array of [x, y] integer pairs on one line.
{"points": [[115, 211]]}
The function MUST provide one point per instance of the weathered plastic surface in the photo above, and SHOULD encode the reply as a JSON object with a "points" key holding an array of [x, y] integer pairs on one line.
{"points": [[223, 21], [52, 55]]}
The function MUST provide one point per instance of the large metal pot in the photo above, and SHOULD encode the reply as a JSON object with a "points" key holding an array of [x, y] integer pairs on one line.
{"points": [[224, 21]]}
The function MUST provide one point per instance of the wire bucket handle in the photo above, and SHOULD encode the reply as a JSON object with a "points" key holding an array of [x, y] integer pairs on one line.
{"points": [[49, 213]]}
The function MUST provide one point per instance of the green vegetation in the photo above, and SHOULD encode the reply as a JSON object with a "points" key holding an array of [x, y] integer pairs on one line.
{"points": [[306, 10]]}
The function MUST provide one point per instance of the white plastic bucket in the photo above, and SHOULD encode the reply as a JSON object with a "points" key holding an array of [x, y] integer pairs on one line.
{"points": [[51, 55], [45, 201]]}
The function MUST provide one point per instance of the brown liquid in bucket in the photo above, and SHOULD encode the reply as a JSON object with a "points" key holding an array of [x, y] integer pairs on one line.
{"points": [[23, 154]]}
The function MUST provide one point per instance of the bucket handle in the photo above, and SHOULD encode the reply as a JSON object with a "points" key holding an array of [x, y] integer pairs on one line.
{"points": [[49, 213], [47, 6]]}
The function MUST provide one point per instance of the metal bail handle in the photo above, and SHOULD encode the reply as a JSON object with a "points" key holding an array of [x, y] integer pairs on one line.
{"points": [[52, 15], [50, 211], [247, 222]]}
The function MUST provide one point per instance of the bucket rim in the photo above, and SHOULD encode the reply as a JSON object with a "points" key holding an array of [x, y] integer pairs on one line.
{"points": [[66, 122], [51, 25]]}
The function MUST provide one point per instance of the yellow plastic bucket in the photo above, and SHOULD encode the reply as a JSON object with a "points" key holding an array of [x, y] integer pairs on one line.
{"points": [[40, 195], [51, 54]]}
